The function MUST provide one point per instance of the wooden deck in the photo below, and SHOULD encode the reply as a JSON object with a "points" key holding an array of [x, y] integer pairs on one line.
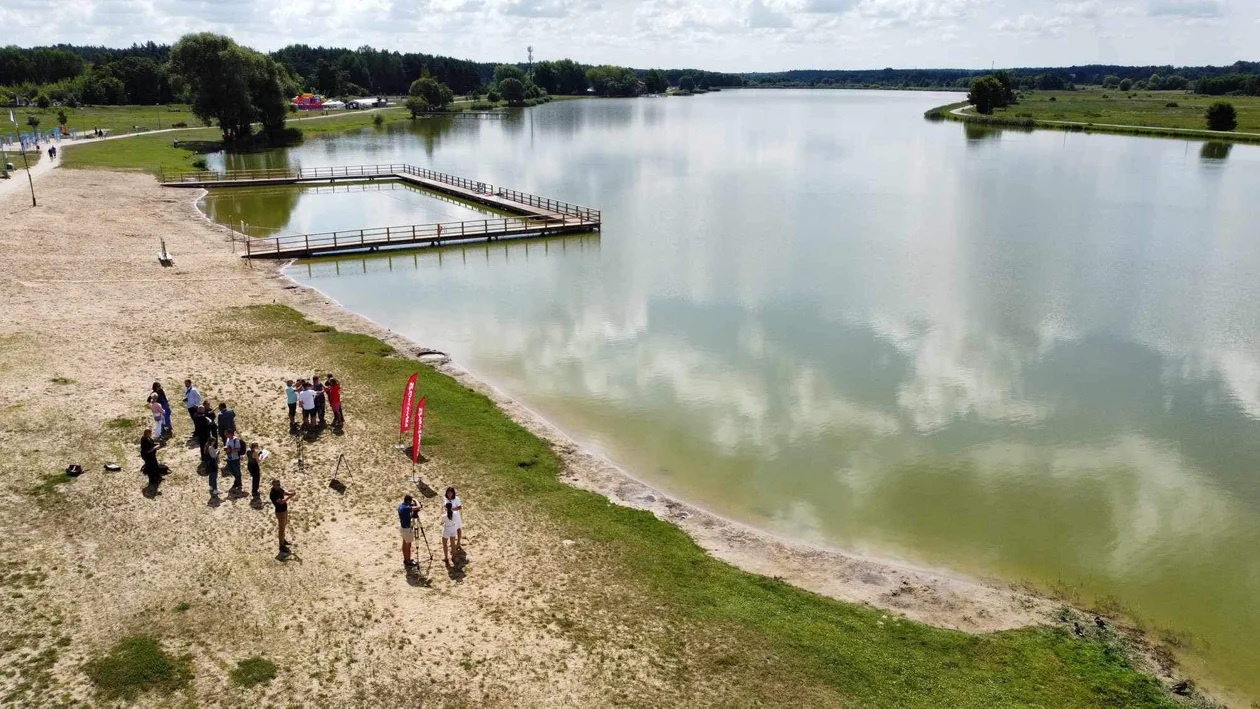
{"points": [[534, 215]]}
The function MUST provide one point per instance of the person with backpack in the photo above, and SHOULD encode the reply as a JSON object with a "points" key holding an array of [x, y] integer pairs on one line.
{"points": [[235, 448]]}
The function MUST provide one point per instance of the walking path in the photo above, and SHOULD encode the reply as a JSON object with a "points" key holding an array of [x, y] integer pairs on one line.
{"points": [[1188, 132], [17, 178]]}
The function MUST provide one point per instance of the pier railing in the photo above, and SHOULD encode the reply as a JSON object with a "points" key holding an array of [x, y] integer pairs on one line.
{"points": [[378, 237], [482, 191]]}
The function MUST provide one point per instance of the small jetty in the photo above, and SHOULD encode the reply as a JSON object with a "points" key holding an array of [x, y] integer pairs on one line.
{"points": [[531, 215]]}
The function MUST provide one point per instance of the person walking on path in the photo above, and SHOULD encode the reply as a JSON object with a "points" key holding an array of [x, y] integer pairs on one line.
{"points": [[235, 448], [280, 500], [227, 420], [211, 456], [155, 408], [334, 401], [192, 397], [451, 525], [307, 398], [457, 505], [148, 453], [291, 397], [319, 399], [407, 512], [166, 406], [255, 469]]}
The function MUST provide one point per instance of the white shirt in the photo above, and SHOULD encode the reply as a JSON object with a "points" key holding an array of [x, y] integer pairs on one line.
{"points": [[307, 397], [192, 397], [456, 503]]}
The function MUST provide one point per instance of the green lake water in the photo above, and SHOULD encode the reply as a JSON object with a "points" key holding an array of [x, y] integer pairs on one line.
{"points": [[1025, 356]]}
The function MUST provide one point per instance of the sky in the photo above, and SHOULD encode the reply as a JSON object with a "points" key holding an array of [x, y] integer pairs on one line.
{"points": [[742, 35]]}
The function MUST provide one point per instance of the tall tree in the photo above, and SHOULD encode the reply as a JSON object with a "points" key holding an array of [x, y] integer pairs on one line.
{"points": [[986, 94], [1222, 116], [654, 81], [513, 91], [230, 84]]}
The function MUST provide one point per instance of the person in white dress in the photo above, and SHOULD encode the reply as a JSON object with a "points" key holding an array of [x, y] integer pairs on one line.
{"points": [[458, 506], [451, 524]]}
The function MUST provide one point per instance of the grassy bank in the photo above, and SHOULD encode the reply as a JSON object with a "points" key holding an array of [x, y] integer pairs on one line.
{"points": [[116, 120], [155, 152], [1174, 114], [833, 652]]}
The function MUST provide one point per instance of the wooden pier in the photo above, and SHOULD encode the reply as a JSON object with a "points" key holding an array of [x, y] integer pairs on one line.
{"points": [[532, 215]]}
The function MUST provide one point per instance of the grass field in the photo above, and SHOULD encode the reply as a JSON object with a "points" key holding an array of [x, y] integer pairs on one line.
{"points": [[156, 152], [116, 120], [1153, 110]]}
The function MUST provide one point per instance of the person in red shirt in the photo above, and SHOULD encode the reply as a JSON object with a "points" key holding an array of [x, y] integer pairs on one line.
{"points": [[334, 400]]}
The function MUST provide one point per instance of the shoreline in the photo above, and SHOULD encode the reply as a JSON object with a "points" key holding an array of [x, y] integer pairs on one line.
{"points": [[937, 597], [957, 112]]}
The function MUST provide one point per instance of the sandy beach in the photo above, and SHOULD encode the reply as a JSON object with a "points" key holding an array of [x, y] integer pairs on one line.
{"points": [[91, 320]]}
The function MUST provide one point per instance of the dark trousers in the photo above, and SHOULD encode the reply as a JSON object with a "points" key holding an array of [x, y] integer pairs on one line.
{"points": [[319, 409], [253, 482]]}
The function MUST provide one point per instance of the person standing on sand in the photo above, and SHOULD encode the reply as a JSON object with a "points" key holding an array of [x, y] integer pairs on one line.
{"points": [[334, 401], [211, 456], [166, 405], [255, 470], [227, 420], [235, 448], [192, 397], [208, 408], [201, 429], [319, 399], [280, 500], [155, 408], [451, 525], [291, 397], [456, 505], [148, 453], [306, 396], [407, 512]]}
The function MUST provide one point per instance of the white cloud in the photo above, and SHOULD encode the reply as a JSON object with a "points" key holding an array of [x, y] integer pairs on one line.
{"points": [[761, 16]]}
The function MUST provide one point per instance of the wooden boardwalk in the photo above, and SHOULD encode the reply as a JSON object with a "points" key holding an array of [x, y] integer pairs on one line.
{"points": [[533, 215]]}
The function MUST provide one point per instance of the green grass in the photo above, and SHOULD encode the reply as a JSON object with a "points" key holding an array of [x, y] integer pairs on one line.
{"points": [[252, 671], [157, 152], [784, 634], [148, 153], [115, 120], [1144, 112], [134, 665], [121, 423]]}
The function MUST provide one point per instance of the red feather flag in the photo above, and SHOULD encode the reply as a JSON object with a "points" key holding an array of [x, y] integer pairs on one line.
{"points": [[415, 439], [409, 397]]}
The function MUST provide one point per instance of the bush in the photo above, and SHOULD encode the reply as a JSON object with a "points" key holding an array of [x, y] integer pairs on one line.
{"points": [[1053, 99], [378, 119], [180, 124], [252, 671], [494, 96], [1171, 104], [1125, 85], [134, 665], [200, 164], [43, 101], [1222, 116]]}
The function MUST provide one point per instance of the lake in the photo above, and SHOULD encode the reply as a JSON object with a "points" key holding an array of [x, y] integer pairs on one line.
{"points": [[1032, 356]]}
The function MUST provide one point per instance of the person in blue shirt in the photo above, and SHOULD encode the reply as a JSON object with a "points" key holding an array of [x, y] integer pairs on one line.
{"points": [[407, 513]]}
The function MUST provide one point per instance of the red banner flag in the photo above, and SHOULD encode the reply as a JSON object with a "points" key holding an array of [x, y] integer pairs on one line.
{"points": [[409, 397], [415, 438]]}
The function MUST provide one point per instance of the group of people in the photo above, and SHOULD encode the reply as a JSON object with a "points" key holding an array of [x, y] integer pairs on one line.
{"points": [[216, 435], [315, 398], [451, 520]]}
